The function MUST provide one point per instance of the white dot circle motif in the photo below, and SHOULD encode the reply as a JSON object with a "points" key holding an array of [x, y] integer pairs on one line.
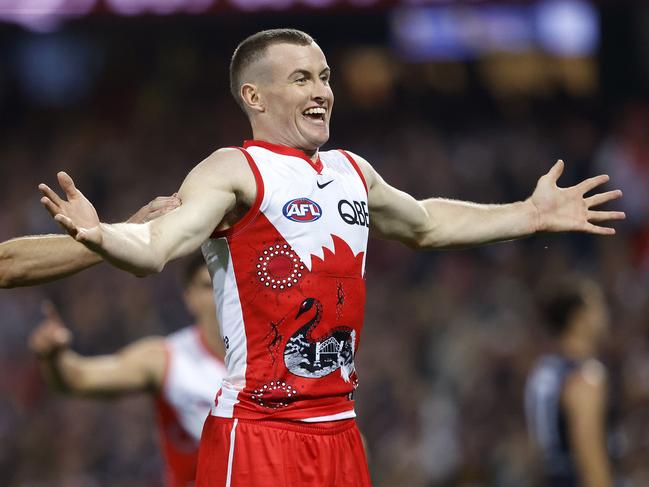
{"points": [[273, 395], [279, 267]]}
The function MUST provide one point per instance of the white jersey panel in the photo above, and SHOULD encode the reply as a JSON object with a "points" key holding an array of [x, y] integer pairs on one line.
{"points": [[289, 178], [193, 376], [230, 317]]}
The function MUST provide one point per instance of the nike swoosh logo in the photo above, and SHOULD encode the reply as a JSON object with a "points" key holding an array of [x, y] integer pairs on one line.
{"points": [[322, 186]]}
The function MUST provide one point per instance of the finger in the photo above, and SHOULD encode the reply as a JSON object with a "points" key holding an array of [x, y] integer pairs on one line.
{"points": [[556, 171], [50, 312], [601, 216], [591, 183], [67, 184], [601, 198], [50, 193], [152, 215], [156, 214], [67, 224], [50, 206], [90, 237], [597, 230], [164, 202]]}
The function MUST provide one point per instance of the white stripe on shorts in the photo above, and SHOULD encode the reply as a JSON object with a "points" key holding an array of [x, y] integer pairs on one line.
{"points": [[228, 479]]}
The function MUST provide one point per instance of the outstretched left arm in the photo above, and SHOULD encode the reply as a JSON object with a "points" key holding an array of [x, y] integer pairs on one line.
{"points": [[37, 259], [447, 224]]}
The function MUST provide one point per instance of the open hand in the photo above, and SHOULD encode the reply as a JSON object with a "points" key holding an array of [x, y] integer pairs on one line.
{"points": [[568, 209], [155, 208], [76, 215]]}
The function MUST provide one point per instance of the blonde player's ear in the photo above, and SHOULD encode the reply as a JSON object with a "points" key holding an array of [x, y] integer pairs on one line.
{"points": [[251, 97]]}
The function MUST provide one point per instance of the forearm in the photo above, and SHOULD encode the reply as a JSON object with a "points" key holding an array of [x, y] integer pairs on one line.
{"points": [[458, 224], [99, 377], [143, 249], [38, 259], [131, 247]]}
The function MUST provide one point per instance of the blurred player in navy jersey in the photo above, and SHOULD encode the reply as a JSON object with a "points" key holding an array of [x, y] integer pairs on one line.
{"points": [[566, 393]]}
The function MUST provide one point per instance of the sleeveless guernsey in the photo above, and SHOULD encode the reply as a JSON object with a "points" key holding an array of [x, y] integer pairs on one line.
{"points": [[290, 290]]}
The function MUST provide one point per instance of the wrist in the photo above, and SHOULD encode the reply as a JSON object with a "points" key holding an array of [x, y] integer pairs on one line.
{"points": [[51, 355], [533, 216]]}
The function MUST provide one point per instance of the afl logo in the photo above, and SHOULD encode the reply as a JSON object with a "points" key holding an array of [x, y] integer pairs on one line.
{"points": [[302, 210]]}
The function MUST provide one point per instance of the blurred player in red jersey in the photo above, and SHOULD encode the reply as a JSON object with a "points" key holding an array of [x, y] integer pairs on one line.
{"points": [[566, 393], [181, 371], [284, 230]]}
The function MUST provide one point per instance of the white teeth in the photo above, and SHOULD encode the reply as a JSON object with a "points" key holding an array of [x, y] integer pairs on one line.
{"points": [[315, 111]]}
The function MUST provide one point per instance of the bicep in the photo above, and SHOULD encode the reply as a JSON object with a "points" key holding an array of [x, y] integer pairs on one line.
{"points": [[394, 214], [207, 194], [585, 405]]}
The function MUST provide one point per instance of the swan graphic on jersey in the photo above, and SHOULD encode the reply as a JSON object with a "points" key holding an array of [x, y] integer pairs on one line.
{"points": [[310, 357]]}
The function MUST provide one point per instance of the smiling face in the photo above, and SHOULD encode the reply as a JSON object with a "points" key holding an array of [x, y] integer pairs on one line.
{"points": [[288, 97]]}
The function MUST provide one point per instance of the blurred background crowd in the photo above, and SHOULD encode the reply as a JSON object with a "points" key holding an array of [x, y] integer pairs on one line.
{"points": [[471, 102]]}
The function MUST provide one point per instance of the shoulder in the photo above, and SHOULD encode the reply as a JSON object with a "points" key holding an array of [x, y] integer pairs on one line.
{"points": [[586, 383], [226, 161], [361, 161], [183, 336], [366, 168], [226, 170]]}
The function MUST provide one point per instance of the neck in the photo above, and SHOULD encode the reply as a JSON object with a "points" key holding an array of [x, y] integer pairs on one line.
{"points": [[577, 347], [210, 336], [259, 133]]}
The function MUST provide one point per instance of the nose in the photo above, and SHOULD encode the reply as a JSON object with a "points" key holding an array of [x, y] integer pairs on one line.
{"points": [[321, 92]]}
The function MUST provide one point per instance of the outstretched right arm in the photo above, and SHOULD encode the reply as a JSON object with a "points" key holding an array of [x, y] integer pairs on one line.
{"points": [[210, 191]]}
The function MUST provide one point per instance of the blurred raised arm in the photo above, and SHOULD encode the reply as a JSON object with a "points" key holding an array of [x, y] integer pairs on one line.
{"points": [[139, 367]]}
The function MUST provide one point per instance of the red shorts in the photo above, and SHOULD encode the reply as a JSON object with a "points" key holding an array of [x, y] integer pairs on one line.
{"points": [[249, 453]]}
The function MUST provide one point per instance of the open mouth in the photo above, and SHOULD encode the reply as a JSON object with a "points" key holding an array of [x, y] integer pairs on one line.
{"points": [[315, 114]]}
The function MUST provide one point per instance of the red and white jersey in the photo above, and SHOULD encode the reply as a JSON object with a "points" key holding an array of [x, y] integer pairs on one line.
{"points": [[193, 374], [289, 288]]}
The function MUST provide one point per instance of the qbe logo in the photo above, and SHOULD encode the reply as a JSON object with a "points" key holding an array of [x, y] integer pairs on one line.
{"points": [[354, 212], [302, 210]]}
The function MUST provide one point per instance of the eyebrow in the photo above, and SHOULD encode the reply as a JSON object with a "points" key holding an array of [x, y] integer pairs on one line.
{"points": [[307, 73]]}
